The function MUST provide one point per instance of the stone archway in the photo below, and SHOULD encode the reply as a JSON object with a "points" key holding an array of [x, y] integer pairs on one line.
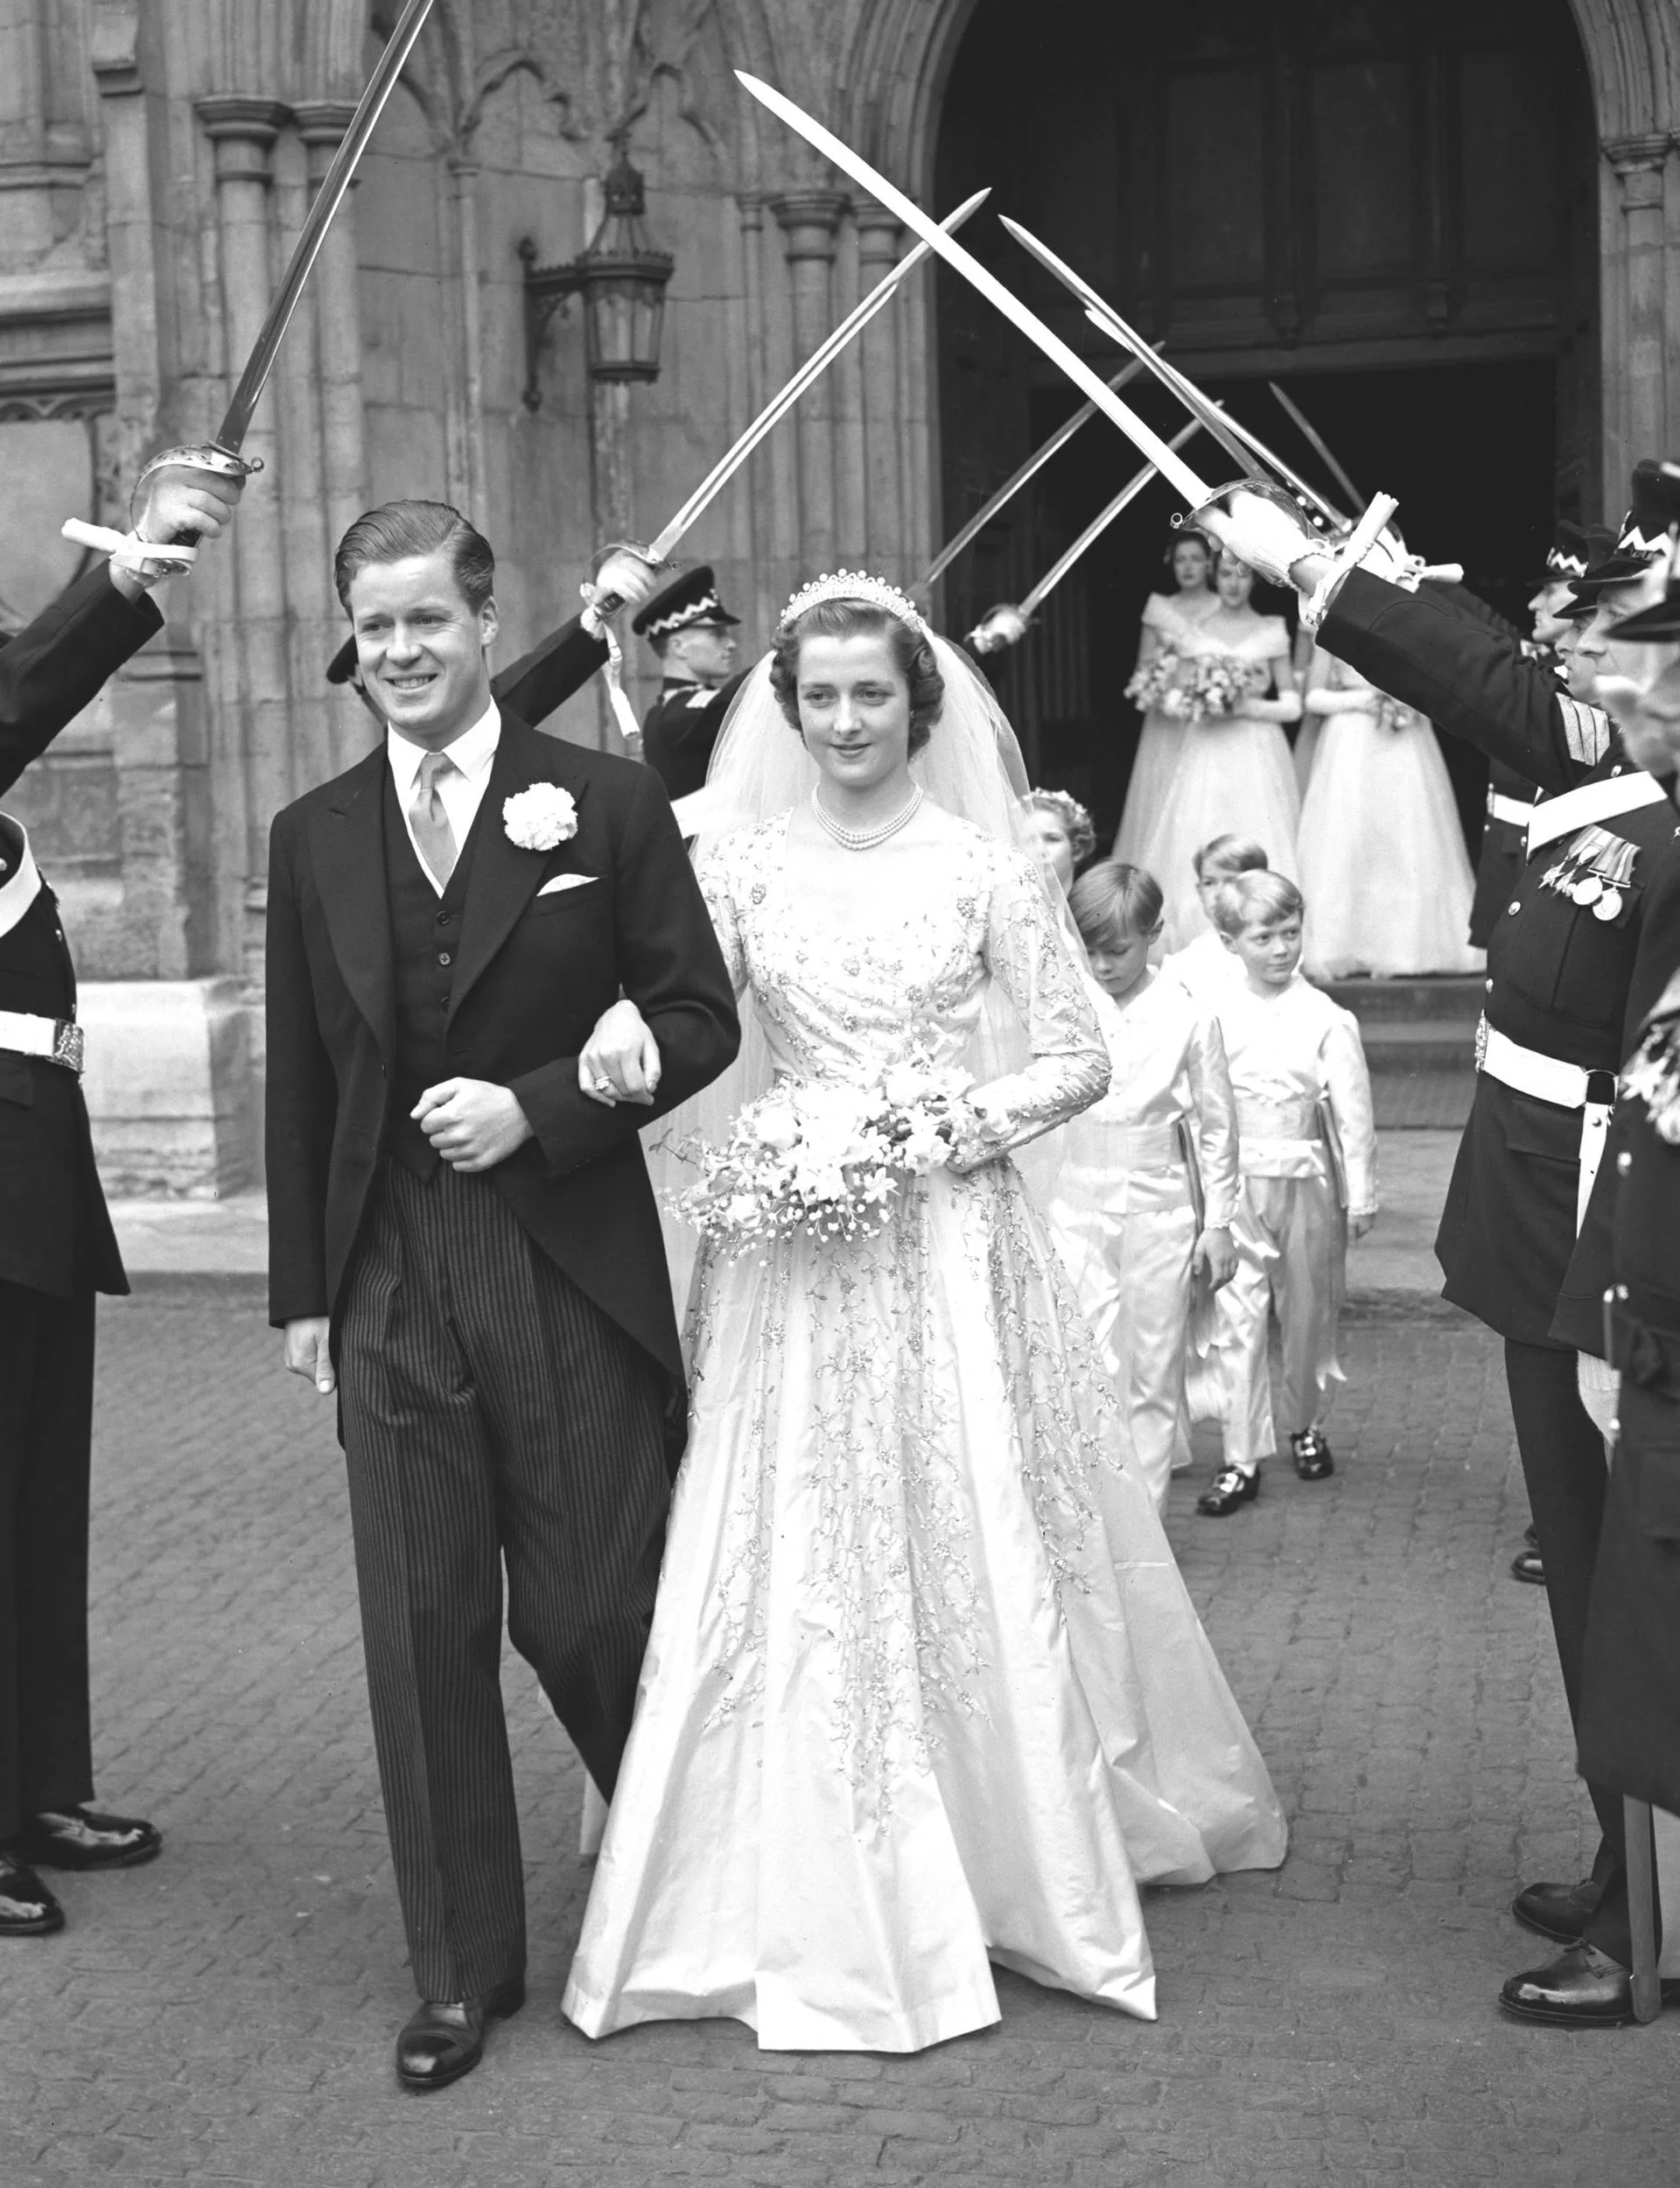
{"points": [[900, 56]]}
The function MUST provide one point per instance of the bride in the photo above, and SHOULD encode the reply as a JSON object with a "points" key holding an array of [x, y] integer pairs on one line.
{"points": [[924, 1690]]}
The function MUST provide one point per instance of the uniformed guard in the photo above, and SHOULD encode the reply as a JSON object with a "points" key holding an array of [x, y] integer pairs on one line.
{"points": [[57, 1248], [1630, 1717], [689, 629], [1509, 796], [1559, 988]]}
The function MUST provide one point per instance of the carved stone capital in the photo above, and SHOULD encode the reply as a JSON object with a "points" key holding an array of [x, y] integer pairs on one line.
{"points": [[242, 130], [1638, 162], [809, 219], [321, 123]]}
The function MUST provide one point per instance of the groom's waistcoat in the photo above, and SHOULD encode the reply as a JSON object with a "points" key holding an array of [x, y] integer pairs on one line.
{"points": [[425, 941]]}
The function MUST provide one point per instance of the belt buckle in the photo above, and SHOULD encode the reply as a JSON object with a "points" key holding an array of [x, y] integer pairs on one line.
{"points": [[1481, 1041], [69, 1044]]}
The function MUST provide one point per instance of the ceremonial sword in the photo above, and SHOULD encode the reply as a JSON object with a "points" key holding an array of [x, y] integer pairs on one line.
{"points": [[1011, 487], [1235, 437], [220, 455], [1007, 625], [658, 549], [1147, 442], [1294, 411]]}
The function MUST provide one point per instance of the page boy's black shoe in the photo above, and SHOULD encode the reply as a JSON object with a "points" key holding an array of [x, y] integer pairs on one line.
{"points": [[1231, 1487], [1312, 1454]]}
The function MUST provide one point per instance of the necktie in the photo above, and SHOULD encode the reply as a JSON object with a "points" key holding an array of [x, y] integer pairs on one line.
{"points": [[433, 837]]}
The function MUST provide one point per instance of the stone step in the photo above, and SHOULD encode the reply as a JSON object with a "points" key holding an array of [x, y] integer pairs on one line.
{"points": [[1427, 1044], [1455, 996]]}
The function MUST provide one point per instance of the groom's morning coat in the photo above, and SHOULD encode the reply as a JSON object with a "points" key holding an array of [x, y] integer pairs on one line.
{"points": [[532, 975]]}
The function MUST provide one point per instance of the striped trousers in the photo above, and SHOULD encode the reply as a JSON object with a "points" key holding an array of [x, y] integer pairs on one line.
{"points": [[493, 1417]]}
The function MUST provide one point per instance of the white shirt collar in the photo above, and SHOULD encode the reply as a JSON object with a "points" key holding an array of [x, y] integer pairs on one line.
{"points": [[472, 751]]}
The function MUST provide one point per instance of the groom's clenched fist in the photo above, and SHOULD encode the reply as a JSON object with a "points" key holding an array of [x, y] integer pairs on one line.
{"points": [[472, 1124], [309, 1351]]}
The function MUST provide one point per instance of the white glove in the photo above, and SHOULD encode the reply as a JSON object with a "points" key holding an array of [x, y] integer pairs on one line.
{"points": [[1262, 528]]}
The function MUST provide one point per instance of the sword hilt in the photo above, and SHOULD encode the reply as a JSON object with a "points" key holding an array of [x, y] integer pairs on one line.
{"points": [[606, 604], [207, 456], [1002, 625]]}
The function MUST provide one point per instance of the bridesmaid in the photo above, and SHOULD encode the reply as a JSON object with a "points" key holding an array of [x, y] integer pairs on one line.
{"points": [[1380, 854], [1235, 774], [1189, 558], [1061, 828]]}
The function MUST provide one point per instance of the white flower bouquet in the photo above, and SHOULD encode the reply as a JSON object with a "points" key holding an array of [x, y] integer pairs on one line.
{"points": [[828, 1159], [1221, 681], [1153, 685]]}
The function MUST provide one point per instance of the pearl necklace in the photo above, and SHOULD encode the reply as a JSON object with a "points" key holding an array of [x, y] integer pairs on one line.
{"points": [[866, 838]]}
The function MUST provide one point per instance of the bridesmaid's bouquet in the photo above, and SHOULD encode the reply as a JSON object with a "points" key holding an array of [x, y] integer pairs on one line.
{"points": [[1395, 715], [1220, 682], [827, 1157], [1152, 685]]}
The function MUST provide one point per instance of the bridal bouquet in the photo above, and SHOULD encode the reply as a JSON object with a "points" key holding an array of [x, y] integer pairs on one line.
{"points": [[1152, 685], [826, 1158]]}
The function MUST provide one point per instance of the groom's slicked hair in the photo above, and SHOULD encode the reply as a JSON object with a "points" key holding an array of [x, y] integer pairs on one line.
{"points": [[398, 529]]}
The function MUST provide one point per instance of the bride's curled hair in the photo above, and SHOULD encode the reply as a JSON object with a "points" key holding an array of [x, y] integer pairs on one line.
{"points": [[861, 618]]}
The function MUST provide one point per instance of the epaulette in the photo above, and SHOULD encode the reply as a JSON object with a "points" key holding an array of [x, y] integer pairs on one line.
{"points": [[1588, 731]]}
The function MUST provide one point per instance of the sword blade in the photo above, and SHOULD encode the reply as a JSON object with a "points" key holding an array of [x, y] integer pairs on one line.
{"points": [[1238, 442], [1011, 487], [1318, 441], [1147, 442], [815, 365], [1100, 523], [237, 423]]}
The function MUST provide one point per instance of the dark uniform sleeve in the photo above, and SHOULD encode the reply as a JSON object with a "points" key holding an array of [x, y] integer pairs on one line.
{"points": [[1469, 679], [542, 680], [58, 663]]}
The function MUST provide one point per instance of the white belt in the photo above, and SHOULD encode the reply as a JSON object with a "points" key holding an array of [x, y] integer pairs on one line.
{"points": [[57, 1039], [1549, 1079], [1516, 812]]}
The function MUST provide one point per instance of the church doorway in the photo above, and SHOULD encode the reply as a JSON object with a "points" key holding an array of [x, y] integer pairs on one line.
{"points": [[1386, 207]]}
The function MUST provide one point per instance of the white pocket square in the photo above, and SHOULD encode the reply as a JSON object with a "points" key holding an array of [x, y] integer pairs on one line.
{"points": [[565, 882]]}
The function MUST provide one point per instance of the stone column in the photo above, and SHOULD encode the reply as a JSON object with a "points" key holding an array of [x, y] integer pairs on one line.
{"points": [[809, 220], [243, 131], [337, 362], [1635, 315], [877, 250]]}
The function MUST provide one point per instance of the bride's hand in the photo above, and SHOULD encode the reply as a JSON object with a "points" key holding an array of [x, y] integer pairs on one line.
{"points": [[620, 1062]]}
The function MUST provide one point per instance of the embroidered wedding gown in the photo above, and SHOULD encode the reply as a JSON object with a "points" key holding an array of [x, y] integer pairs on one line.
{"points": [[925, 1690]]}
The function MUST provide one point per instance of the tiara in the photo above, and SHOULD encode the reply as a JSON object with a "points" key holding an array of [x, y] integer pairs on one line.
{"points": [[855, 585]]}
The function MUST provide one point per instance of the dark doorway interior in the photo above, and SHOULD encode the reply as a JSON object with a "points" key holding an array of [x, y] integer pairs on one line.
{"points": [[1388, 208]]}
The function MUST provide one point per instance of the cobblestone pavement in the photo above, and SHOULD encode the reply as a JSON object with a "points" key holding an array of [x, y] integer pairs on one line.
{"points": [[226, 2014]]}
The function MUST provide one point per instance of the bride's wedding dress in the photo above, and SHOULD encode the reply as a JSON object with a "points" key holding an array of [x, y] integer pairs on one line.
{"points": [[924, 1691]]}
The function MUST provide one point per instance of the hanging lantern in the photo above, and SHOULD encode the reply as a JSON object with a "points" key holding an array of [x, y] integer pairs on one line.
{"points": [[621, 278]]}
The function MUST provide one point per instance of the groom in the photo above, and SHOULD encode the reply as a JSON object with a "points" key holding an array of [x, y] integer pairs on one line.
{"points": [[462, 1243]]}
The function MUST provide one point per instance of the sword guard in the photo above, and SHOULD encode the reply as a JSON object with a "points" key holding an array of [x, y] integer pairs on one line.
{"points": [[220, 463], [1002, 625]]}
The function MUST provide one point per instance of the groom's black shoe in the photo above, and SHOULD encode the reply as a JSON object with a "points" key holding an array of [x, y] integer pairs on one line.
{"points": [[1231, 1488], [1557, 1911], [1582, 1989], [441, 2042], [76, 1838]]}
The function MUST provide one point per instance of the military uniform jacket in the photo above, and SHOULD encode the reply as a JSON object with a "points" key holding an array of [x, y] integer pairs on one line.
{"points": [[680, 730], [1629, 1724], [55, 1236], [1560, 978]]}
